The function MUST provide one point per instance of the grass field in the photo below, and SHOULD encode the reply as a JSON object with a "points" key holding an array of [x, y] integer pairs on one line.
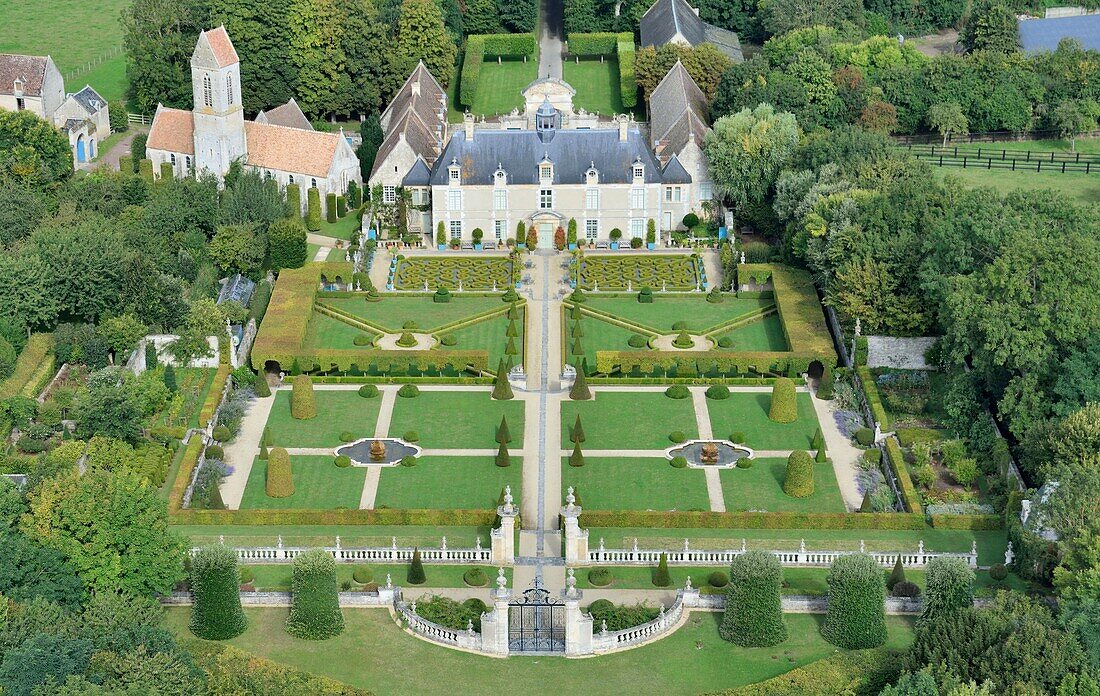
{"points": [[649, 483], [375, 654], [393, 311], [277, 577], [1083, 188], [344, 228], [325, 535], [499, 87], [760, 487], [597, 85], [665, 311], [598, 335], [318, 485], [748, 413], [326, 332], [457, 420], [447, 483], [1090, 146], [628, 420], [337, 411], [73, 34], [490, 335], [764, 335]]}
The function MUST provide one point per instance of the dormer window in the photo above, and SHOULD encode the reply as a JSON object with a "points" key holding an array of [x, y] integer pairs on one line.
{"points": [[19, 85], [639, 171], [546, 173], [500, 178], [592, 177], [454, 174]]}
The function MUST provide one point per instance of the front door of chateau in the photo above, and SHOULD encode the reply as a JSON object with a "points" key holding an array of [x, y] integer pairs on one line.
{"points": [[546, 235]]}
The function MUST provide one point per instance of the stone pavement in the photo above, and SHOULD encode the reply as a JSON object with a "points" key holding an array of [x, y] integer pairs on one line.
{"points": [[551, 15]]}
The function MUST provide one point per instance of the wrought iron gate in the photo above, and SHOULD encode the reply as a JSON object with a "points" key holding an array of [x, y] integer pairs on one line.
{"points": [[536, 623]]}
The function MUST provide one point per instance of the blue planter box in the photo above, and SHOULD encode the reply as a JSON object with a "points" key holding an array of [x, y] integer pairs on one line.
{"points": [[651, 245], [478, 247], [572, 246], [521, 245], [442, 247], [614, 246], [723, 233], [372, 234], [389, 286]]}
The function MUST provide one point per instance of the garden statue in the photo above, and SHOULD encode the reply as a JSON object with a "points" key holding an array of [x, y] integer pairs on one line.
{"points": [[709, 453], [377, 450], [742, 257]]}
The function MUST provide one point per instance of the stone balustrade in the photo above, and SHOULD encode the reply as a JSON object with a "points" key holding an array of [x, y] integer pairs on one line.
{"points": [[391, 554], [607, 641], [467, 639]]}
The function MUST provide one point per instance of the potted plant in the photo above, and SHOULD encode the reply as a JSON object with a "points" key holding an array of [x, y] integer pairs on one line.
{"points": [[532, 238], [571, 236], [651, 234], [559, 238], [616, 235], [521, 235], [441, 236], [636, 243], [478, 233]]}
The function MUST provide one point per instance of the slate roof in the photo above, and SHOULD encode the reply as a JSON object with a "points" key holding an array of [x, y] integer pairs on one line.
{"points": [[289, 115], [667, 19], [419, 175], [89, 99], [518, 152], [1044, 34], [172, 130], [675, 173], [215, 44], [290, 149], [417, 115], [677, 113], [236, 288], [73, 124], [30, 69]]}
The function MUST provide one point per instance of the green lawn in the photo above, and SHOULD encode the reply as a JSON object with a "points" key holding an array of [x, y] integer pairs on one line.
{"points": [[448, 483], [393, 311], [73, 34], [373, 653], [318, 485], [1080, 187], [649, 483], [598, 335], [457, 420], [277, 577], [337, 411], [344, 228], [597, 85], [665, 311], [629, 420], [325, 535], [311, 251], [490, 335], [760, 487], [762, 335], [335, 254], [326, 332], [499, 87], [747, 412], [1084, 146]]}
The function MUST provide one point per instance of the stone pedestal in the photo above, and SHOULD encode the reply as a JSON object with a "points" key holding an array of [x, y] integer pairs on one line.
{"points": [[576, 539], [503, 538], [494, 623], [578, 625]]}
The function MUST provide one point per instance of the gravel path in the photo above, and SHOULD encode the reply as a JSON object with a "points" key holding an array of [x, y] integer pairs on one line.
{"points": [[844, 455], [240, 453]]}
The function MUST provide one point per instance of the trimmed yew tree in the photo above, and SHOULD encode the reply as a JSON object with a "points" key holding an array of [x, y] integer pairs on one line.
{"points": [[303, 402], [949, 588], [416, 575], [580, 391], [798, 482], [856, 617], [215, 585], [754, 609], [502, 390], [783, 409], [315, 603], [504, 436], [280, 480]]}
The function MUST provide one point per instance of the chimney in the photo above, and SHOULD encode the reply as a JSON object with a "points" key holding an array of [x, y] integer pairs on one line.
{"points": [[468, 122], [623, 123]]}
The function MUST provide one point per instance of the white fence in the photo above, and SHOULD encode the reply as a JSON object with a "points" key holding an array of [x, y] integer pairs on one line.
{"points": [[467, 639], [381, 554], [799, 558], [604, 641]]}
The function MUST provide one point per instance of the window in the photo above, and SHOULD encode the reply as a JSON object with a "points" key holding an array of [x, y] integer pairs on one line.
{"points": [[592, 177], [637, 198], [389, 195], [637, 228], [591, 230], [454, 176], [500, 229], [456, 229], [639, 171], [673, 194], [187, 161], [268, 175], [173, 157], [546, 199], [500, 199], [546, 173], [676, 192], [207, 91], [420, 196], [592, 198], [454, 200], [229, 89], [20, 103], [313, 183], [501, 178], [290, 179], [706, 191]]}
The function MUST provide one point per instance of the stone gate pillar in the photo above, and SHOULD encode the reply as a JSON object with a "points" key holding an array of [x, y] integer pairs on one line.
{"points": [[578, 625], [576, 539], [494, 624], [503, 539]]}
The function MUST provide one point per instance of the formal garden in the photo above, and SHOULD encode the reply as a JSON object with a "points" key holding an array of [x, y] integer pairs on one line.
{"points": [[657, 272], [459, 273]]}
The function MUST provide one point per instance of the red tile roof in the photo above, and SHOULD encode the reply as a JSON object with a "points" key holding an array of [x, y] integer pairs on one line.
{"points": [[172, 130], [222, 47]]}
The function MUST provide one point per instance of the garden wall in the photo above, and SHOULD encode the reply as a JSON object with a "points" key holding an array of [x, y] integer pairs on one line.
{"points": [[610, 44], [478, 46]]}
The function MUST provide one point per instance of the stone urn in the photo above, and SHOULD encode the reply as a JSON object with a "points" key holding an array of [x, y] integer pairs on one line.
{"points": [[377, 450], [709, 453]]}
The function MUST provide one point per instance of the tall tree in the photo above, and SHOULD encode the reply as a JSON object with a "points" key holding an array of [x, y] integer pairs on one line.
{"points": [[159, 36], [948, 119], [1074, 117], [261, 34], [371, 132], [422, 36], [518, 15], [747, 151], [990, 27], [316, 45], [365, 43], [32, 151], [481, 17]]}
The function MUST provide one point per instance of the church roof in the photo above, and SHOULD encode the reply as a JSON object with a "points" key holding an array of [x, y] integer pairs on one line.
{"points": [[289, 115], [666, 20], [172, 130], [573, 152], [677, 112], [290, 149], [419, 175], [30, 69], [215, 49], [89, 99]]}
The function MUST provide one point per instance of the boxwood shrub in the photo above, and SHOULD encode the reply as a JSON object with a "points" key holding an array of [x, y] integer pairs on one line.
{"points": [[798, 481], [754, 609], [678, 391], [362, 574], [679, 462], [725, 342], [637, 341], [363, 340], [600, 577], [221, 434], [368, 391], [303, 402], [448, 339], [856, 617], [215, 585], [215, 452], [347, 436], [343, 461], [280, 482], [315, 604], [737, 437], [718, 579], [784, 408], [718, 392], [475, 577], [408, 391], [864, 437]]}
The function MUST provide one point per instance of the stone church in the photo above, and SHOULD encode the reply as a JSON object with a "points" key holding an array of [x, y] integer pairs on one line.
{"points": [[280, 144], [545, 165]]}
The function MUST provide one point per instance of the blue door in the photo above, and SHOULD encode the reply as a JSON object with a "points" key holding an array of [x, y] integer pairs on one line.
{"points": [[91, 149], [80, 150]]}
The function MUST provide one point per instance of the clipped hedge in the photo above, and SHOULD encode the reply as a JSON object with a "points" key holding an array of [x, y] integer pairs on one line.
{"points": [[856, 617], [909, 496], [798, 482], [478, 46], [30, 360], [183, 476], [840, 674], [381, 516], [752, 520], [754, 608], [628, 83], [975, 523], [279, 482], [214, 396], [874, 400], [303, 402], [315, 602], [215, 584]]}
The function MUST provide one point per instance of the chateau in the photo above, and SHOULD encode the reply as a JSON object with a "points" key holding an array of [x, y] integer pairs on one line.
{"points": [[281, 143], [547, 165]]}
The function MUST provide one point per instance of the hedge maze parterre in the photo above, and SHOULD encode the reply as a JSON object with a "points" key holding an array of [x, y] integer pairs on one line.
{"points": [[667, 272], [473, 273]]}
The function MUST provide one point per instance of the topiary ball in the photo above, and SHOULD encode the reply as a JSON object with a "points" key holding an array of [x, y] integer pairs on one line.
{"points": [[865, 437], [725, 342], [221, 433], [368, 391], [475, 577], [448, 340], [408, 461], [215, 452], [408, 391], [348, 436], [411, 436], [737, 437], [677, 391], [718, 392], [998, 572], [362, 574], [905, 588], [362, 340], [637, 341], [679, 462], [409, 326], [677, 436], [343, 461], [718, 579], [744, 463], [600, 577], [247, 576], [680, 326]]}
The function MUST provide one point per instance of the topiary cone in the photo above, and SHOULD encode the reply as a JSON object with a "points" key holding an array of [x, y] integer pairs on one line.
{"points": [[661, 578], [896, 575], [577, 457], [577, 433], [577, 348], [260, 386], [502, 458], [580, 391], [503, 434], [416, 576], [502, 390]]}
